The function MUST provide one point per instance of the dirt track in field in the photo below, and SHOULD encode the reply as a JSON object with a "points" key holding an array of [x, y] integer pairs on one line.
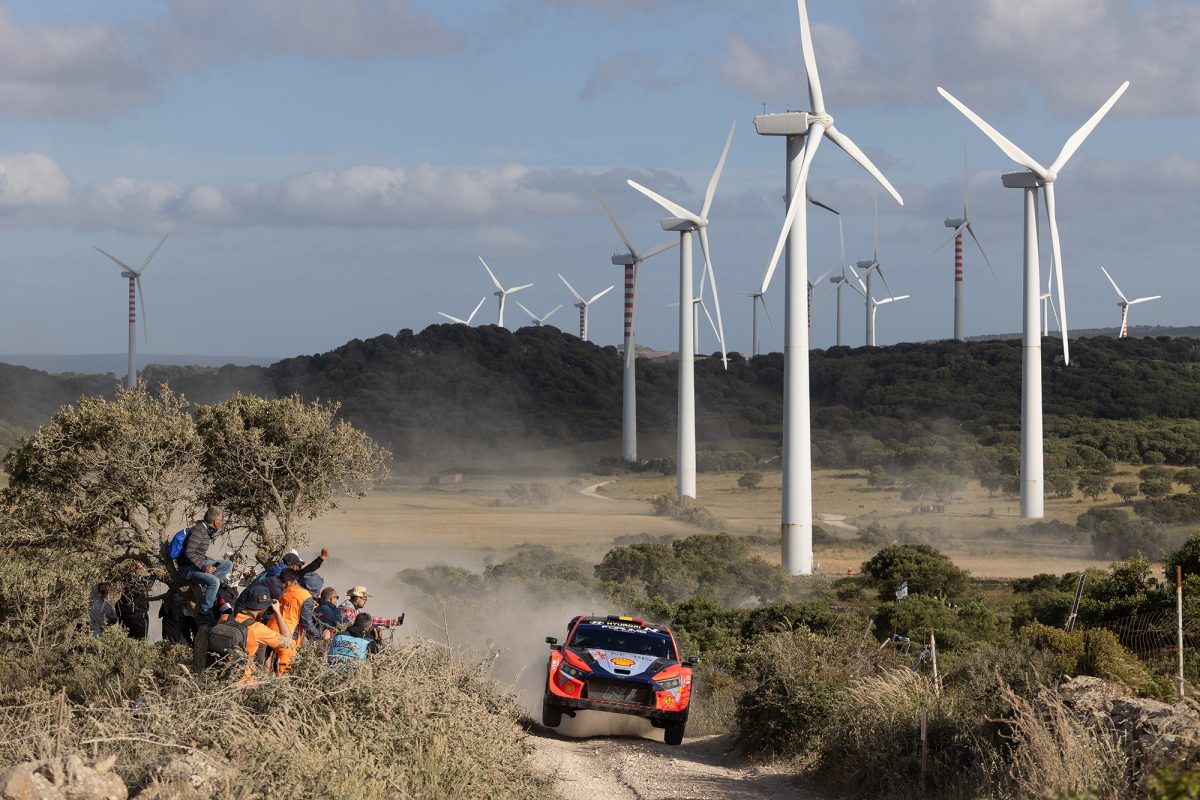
{"points": [[641, 768]]}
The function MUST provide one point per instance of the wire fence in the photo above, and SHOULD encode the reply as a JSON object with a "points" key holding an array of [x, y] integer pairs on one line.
{"points": [[1153, 637]]}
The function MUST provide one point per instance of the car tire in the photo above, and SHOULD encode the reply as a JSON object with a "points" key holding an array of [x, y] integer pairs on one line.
{"points": [[673, 734], [551, 714]]}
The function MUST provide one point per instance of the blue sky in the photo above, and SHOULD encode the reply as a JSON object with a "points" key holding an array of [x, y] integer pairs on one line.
{"points": [[331, 170]]}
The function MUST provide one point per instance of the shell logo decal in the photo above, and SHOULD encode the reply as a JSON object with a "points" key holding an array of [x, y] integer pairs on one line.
{"points": [[623, 662]]}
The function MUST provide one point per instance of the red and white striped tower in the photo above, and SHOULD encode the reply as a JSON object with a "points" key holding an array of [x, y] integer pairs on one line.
{"points": [[629, 376], [959, 327], [131, 377], [1124, 320], [582, 322]]}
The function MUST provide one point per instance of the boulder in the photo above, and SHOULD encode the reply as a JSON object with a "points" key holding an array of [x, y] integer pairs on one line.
{"points": [[69, 778]]}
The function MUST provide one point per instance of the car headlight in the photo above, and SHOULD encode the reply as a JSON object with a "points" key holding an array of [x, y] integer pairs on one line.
{"points": [[669, 683], [572, 671]]}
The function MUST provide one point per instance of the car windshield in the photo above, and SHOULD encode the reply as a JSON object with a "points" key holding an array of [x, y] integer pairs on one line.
{"points": [[643, 643]]}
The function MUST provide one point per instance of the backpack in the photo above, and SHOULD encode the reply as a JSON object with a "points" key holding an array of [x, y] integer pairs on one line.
{"points": [[178, 542], [227, 639]]}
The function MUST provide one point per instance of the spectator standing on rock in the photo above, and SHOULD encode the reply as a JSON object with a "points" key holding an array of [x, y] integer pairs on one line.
{"points": [[196, 567], [101, 614], [133, 607]]}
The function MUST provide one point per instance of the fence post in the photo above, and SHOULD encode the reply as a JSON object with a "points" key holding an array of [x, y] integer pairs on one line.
{"points": [[924, 748], [937, 679], [1179, 621], [62, 722]]}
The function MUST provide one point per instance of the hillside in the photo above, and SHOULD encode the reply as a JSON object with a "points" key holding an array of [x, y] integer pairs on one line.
{"points": [[451, 389]]}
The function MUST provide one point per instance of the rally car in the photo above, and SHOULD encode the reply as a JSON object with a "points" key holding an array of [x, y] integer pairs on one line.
{"points": [[619, 664]]}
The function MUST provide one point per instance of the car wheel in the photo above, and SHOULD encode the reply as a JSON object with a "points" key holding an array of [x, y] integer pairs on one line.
{"points": [[552, 715], [673, 734]]}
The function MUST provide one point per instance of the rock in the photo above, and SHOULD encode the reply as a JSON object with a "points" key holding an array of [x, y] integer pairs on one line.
{"points": [[62, 779], [194, 773]]}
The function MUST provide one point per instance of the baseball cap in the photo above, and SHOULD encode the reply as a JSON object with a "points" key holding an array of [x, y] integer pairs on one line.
{"points": [[291, 559], [259, 599], [312, 582], [358, 591]]}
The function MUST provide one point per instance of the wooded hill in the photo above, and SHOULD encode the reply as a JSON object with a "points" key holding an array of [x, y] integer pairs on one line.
{"points": [[450, 388]]}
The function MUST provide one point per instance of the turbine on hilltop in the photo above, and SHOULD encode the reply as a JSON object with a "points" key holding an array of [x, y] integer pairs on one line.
{"points": [[1126, 303], [135, 292]]}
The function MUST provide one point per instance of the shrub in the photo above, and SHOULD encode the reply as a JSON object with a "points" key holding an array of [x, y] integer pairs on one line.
{"points": [[784, 617], [1093, 651], [750, 480], [1187, 556], [914, 617], [1126, 490], [533, 494], [1155, 488], [685, 509], [1093, 484], [926, 570]]}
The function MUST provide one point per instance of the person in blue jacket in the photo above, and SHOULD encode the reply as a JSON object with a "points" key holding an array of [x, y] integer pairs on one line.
{"points": [[353, 644]]}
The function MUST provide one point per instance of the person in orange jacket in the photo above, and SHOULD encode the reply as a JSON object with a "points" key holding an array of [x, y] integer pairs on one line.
{"points": [[295, 618], [258, 634]]}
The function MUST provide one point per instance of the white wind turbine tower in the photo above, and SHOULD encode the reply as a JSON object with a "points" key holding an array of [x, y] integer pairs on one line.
{"points": [[466, 321], [756, 298], [873, 305], [1034, 179], [1126, 303], [839, 281], [960, 225], [869, 269], [135, 290], [583, 306], [699, 305], [687, 224], [501, 292], [631, 260], [538, 321], [804, 132], [1047, 307]]}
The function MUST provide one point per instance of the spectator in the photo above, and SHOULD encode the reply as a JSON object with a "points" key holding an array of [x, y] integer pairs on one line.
{"points": [[353, 644], [196, 567], [101, 614], [133, 607], [257, 634], [291, 560], [356, 601], [171, 612], [327, 615], [294, 618]]}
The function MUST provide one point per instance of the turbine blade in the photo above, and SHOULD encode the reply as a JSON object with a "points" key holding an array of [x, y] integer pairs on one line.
{"points": [[879, 270], [1011, 150], [1116, 288], [571, 288], [979, 244], [142, 301], [674, 208], [613, 220], [966, 204], [821, 279], [532, 315], [491, 274], [843, 141], [711, 324], [453, 319], [1077, 138], [819, 204], [653, 251], [1056, 252], [1054, 311], [815, 95], [601, 294], [842, 244], [950, 238], [811, 143], [716, 176], [1145, 299], [153, 253], [857, 284], [113, 258], [518, 288], [763, 300], [712, 280], [550, 313], [478, 306]]}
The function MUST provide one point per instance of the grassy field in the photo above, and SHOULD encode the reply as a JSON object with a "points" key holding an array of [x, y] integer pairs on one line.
{"points": [[408, 524]]}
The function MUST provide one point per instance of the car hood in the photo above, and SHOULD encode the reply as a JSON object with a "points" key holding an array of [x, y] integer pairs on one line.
{"points": [[629, 664]]}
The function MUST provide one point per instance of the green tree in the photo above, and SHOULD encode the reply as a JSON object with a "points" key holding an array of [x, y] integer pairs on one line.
{"points": [[1093, 484], [750, 480], [878, 478], [926, 570], [1061, 482], [1189, 477], [106, 479], [1126, 490], [1155, 488], [276, 464]]}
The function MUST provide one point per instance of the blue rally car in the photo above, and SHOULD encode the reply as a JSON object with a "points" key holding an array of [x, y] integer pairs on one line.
{"points": [[623, 665]]}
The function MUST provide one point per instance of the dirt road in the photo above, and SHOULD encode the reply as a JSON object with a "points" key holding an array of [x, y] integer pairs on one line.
{"points": [[620, 767]]}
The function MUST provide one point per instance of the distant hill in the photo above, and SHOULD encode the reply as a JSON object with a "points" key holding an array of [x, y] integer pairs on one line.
{"points": [[1135, 332], [117, 363], [450, 390]]}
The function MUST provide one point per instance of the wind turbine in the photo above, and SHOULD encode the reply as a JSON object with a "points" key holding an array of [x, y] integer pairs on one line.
{"points": [[757, 298], [839, 281], [813, 285], [872, 305], [583, 306], [804, 132], [501, 292], [1034, 179], [135, 291], [698, 305], [466, 321], [1047, 307], [869, 268], [631, 260], [538, 321], [960, 225], [1125, 304], [687, 224]]}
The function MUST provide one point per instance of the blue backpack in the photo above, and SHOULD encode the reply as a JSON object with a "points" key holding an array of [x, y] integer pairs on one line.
{"points": [[178, 542]]}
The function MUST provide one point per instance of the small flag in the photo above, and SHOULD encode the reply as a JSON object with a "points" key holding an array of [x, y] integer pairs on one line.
{"points": [[902, 592]]}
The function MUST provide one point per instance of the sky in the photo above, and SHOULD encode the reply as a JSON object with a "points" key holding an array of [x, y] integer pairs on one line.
{"points": [[333, 170]]}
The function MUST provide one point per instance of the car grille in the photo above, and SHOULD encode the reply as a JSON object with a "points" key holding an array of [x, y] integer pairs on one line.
{"points": [[618, 692]]}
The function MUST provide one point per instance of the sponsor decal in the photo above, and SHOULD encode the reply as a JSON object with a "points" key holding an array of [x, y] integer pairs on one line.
{"points": [[623, 662]]}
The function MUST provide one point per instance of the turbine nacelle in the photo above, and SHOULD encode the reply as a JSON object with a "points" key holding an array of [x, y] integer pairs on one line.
{"points": [[954, 223], [624, 260], [789, 123], [679, 225]]}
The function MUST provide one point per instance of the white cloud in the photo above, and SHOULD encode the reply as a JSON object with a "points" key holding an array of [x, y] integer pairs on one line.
{"points": [[199, 32], [68, 71], [31, 181], [625, 70], [1072, 53]]}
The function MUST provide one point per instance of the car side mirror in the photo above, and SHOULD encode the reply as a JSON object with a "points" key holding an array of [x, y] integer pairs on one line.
{"points": [[551, 640], [691, 661]]}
